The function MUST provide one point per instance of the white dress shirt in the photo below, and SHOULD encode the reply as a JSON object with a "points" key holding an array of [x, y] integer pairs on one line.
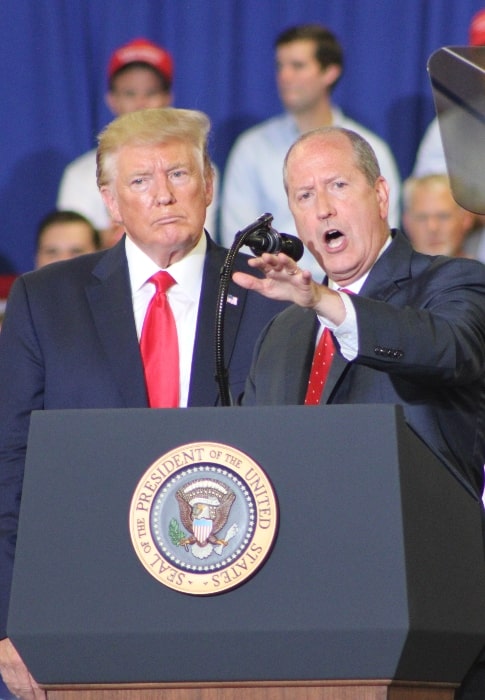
{"points": [[347, 333], [183, 297]]}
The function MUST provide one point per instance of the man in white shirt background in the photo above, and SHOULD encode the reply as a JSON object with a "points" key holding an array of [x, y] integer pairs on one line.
{"points": [[309, 63]]}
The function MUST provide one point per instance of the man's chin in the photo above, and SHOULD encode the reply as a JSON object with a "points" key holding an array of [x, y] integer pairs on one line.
{"points": [[293, 105]]}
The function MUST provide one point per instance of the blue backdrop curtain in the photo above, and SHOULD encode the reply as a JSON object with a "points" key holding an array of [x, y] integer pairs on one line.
{"points": [[53, 55]]}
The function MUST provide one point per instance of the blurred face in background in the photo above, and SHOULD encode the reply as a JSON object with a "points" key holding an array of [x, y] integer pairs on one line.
{"points": [[63, 241], [302, 81], [433, 221], [137, 88]]}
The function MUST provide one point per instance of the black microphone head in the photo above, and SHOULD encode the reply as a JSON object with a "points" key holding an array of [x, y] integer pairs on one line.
{"points": [[292, 247], [268, 240], [265, 240]]}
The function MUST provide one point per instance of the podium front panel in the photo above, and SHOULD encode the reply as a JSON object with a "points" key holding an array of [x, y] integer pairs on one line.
{"points": [[367, 569]]}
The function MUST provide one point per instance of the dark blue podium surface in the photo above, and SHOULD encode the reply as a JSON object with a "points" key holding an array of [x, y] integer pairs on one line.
{"points": [[377, 570]]}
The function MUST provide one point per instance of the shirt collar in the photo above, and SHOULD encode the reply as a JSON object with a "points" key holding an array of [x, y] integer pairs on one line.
{"points": [[186, 272], [356, 286], [337, 120]]}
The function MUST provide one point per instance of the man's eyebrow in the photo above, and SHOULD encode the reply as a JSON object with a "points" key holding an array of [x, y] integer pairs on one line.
{"points": [[309, 186], [139, 172], [179, 164]]}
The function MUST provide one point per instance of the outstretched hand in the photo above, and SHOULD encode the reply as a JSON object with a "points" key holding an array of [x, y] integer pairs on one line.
{"points": [[15, 674], [283, 280]]}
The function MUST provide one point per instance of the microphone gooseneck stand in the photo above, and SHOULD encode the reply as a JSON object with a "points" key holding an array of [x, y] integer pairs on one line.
{"points": [[263, 223]]}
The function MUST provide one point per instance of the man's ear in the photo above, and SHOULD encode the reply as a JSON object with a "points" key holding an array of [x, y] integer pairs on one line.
{"points": [[468, 220], [111, 102], [332, 73], [382, 192], [209, 186], [111, 203]]}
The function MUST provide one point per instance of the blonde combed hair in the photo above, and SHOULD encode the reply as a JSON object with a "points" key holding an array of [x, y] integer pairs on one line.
{"points": [[150, 127]]}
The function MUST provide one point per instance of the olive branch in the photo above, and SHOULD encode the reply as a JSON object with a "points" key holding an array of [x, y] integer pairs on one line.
{"points": [[175, 533]]}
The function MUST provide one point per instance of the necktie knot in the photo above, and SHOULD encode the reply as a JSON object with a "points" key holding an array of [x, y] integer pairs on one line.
{"points": [[162, 280]]}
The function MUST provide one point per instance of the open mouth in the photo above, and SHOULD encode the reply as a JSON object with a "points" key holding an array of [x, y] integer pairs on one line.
{"points": [[332, 238]]}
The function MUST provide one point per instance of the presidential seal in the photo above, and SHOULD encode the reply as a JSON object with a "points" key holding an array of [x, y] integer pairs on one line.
{"points": [[203, 518]]}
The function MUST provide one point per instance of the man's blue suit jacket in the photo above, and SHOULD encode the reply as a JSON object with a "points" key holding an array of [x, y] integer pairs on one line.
{"points": [[69, 341], [421, 333]]}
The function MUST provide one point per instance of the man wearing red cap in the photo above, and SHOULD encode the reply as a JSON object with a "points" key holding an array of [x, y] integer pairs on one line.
{"points": [[147, 53], [140, 75]]}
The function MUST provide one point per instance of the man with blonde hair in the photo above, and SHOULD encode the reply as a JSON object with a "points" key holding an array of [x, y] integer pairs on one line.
{"points": [[74, 333]]}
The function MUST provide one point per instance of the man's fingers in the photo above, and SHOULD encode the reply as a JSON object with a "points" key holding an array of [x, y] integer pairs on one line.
{"points": [[248, 281], [16, 675]]}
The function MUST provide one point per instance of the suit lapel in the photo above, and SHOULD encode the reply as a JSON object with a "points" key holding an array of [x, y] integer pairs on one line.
{"points": [[202, 382], [382, 283], [338, 368], [392, 268], [109, 296], [300, 332], [204, 390]]}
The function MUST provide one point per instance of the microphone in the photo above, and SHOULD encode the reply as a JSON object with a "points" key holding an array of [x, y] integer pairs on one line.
{"points": [[268, 240]]}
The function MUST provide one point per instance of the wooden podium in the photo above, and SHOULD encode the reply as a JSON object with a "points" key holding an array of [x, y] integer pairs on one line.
{"points": [[373, 589], [318, 690]]}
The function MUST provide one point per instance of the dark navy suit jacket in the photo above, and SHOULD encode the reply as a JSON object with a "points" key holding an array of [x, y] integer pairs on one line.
{"points": [[421, 332], [69, 341]]}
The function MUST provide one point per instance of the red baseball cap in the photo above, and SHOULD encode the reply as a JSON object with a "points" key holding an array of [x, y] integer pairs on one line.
{"points": [[142, 51], [476, 31]]}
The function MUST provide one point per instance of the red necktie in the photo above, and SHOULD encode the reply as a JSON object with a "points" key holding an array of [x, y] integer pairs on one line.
{"points": [[159, 347], [322, 361]]}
